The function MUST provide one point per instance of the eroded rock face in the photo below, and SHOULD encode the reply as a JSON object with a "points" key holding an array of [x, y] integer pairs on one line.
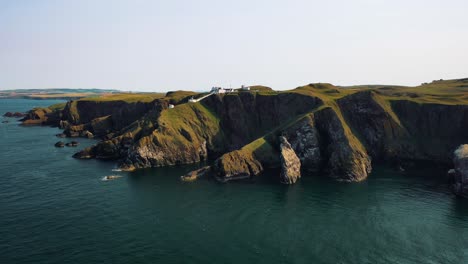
{"points": [[347, 158], [460, 175], [38, 116], [373, 120], [236, 165], [305, 141], [290, 163]]}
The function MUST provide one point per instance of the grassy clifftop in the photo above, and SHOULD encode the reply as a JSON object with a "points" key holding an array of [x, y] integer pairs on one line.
{"points": [[336, 129]]}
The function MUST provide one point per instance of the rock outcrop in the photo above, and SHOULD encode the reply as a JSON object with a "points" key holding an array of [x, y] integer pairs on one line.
{"points": [[460, 174], [196, 174], [237, 165], [347, 158], [305, 140], [14, 114], [331, 131], [290, 163]]}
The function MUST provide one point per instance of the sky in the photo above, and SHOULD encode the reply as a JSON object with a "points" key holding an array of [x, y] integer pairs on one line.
{"points": [[193, 45]]}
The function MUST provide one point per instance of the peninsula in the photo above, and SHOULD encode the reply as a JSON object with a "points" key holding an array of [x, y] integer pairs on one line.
{"points": [[320, 128]]}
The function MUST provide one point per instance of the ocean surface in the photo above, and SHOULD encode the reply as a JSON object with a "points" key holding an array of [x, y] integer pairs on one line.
{"points": [[56, 209]]}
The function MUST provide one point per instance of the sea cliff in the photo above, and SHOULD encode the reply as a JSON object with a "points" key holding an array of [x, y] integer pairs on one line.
{"points": [[319, 128]]}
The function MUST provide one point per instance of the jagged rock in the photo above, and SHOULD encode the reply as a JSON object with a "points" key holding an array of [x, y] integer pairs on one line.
{"points": [[15, 114], [72, 133], [374, 122], [37, 116], [305, 141], [236, 165], [86, 153], [347, 158], [61, 135], [290, 163], [460, 173], [59, 144], [63, 124], [75, 143], [86, 134], [196, 174]]}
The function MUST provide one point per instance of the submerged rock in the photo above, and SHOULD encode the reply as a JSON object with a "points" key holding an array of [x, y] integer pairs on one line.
{"points": [[196, 174], [59, 144], [15, 114], [111, 177], [290, 163], [460, 173], [61, 135], [72, 144]]}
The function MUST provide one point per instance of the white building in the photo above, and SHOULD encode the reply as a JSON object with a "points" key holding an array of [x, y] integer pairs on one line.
{"points": [[221, 90]]}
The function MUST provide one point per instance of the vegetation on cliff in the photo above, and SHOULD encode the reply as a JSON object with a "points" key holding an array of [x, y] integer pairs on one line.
{"points": [[333, 130]]}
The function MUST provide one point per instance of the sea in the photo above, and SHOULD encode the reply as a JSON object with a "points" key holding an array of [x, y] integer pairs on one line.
{"points": [[57, 209]]}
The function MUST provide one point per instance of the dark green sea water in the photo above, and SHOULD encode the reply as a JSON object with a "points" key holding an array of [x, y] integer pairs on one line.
{"points": [[55, 209]]}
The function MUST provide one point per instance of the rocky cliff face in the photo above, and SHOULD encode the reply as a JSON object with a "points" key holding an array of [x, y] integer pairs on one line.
{"points": [[347, 158], [42, 116], [434, 130], [460, 173], [331, 131], [290, 163], [306, 142]]}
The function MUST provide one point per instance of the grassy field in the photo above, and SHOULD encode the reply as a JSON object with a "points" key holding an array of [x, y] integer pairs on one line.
{"points": [[450, 92], [127, 97]]}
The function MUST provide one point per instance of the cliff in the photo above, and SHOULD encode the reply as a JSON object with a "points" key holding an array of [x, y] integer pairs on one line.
{"points": [[336, 131]]}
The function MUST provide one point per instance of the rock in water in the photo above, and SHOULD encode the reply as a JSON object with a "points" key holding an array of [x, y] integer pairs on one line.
{"points": [[460, 176], [196, 174], [290, 163], [59, 144]]}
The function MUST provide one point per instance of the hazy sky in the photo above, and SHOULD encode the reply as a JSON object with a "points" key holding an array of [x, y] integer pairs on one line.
{"points": [[176, 44]]}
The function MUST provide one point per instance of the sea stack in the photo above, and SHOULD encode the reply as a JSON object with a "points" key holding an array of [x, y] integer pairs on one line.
{"points": [[460, 175], [290, 163]]}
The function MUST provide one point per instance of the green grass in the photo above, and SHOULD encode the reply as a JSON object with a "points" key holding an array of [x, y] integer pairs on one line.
{"points": [[187, 124], [126, 97], [448, 92], [57, 107], [325, 91]]}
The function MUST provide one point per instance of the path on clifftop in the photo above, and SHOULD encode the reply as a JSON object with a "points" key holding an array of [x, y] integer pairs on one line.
{"points": [[192, 100]]}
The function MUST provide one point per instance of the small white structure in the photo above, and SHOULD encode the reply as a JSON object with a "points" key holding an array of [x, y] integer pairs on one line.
{"points": [[171, 106], [192, 100], [245, 88], [221, 90]]}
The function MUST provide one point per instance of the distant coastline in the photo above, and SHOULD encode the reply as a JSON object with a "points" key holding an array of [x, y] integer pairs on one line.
{"points": [[55, 93]]}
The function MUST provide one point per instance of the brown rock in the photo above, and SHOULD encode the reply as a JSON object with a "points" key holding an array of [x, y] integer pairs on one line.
{"points": [[290, 163], [196, 174]]}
